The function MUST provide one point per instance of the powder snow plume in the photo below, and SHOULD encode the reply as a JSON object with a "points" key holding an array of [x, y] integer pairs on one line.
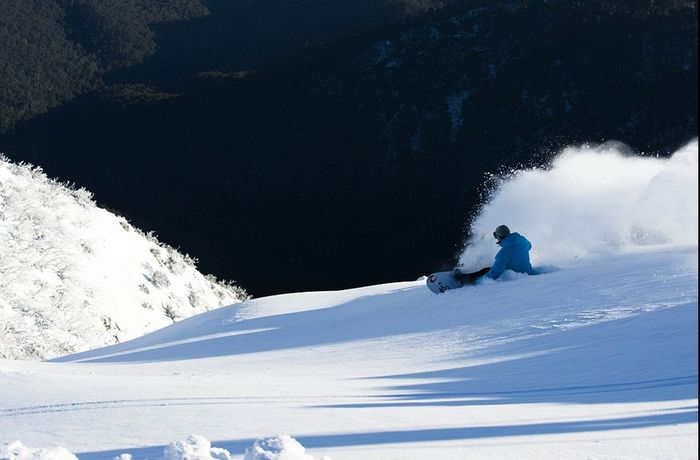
{"points": [[591, 201]]}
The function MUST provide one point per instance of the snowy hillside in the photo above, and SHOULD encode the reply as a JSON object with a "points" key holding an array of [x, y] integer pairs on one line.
{"points": [[74, 276], [595, 361], [597, 358]]}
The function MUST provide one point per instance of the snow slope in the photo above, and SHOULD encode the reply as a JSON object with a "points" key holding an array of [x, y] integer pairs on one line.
{"points": [[595, 361], [597, 358], [74, 276]]}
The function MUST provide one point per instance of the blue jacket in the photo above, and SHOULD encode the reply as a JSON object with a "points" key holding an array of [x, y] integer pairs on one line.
{"points": [[514, 255]]}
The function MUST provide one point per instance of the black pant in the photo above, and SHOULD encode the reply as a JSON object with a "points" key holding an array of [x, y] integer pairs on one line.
{"points": [[469, 278]]}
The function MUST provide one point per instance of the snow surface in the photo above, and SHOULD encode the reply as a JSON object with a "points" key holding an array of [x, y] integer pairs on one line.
{"points": [[74, 276], [597, 358]]}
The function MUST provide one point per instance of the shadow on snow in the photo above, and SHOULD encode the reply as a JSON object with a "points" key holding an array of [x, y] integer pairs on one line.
{"points": [[237, 447]]}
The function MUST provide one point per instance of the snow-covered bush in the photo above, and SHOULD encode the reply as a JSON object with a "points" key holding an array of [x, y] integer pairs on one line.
{"points": [[282, 447], [18, 451], [194, 448], [74, 276]]}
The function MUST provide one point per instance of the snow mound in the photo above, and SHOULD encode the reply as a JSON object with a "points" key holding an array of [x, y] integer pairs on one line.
{"points": [[194, 448], [282, 447], [18, 451], [74, 276], [592, 201]]}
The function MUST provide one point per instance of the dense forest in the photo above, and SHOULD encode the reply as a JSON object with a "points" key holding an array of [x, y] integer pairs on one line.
{"points": [[352, 152], [52, 50]]}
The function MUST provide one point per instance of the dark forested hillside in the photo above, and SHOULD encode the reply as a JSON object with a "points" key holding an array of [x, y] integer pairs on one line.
{"points": [[51, 50], [39, 66], [243, 35], [360, 159]]}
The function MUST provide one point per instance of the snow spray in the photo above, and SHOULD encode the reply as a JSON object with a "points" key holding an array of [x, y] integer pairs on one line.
{"points": [[591, 201]]}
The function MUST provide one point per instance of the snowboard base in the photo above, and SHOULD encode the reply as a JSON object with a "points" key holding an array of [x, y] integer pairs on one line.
{"points": [[440, 282]]}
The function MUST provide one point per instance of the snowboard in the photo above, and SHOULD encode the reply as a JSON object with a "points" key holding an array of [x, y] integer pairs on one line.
{"points": [[440, 282]]}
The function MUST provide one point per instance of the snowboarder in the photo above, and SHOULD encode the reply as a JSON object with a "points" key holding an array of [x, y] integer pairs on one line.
{"points": [[514, 255]]}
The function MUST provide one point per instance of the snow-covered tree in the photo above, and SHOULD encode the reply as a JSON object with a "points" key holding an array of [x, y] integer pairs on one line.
{"points": [[74, 276]]}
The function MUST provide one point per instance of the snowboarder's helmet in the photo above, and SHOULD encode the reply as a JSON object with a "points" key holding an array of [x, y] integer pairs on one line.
{"points": [[501, 232]]}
